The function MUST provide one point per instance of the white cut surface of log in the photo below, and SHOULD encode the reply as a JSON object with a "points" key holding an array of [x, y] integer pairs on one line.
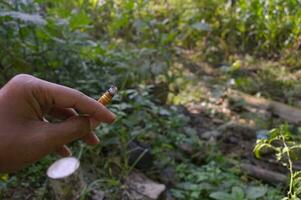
{"points": [[65, 179], [63, 168]]}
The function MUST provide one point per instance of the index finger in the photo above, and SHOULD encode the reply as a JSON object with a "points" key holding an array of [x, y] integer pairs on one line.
{"points": [[65, 97]]}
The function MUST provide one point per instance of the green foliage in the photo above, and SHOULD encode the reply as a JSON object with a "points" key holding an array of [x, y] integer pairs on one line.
{"points": [[213, 182], [63, 39], [139, 118], [238, 193], [284, 154], [223, 27], [269, 79], [59, 45], [3, 182], [88, 45]]}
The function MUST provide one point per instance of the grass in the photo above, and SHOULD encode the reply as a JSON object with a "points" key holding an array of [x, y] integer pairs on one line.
{"points": [[269, 79]]}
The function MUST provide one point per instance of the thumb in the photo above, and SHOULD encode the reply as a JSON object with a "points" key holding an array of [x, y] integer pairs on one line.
{"points": [[67, 131]]}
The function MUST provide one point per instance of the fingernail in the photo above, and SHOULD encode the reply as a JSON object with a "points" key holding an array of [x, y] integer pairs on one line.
{"points": [[93, 124], [113, 118], [68, 153], [95, 140]]}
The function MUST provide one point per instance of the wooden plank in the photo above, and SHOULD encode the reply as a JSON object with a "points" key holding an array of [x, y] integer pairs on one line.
{"points": [[286, 112], [264, 174]]}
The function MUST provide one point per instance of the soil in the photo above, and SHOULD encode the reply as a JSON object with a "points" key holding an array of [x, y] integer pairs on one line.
{"points": [[237, 140]]}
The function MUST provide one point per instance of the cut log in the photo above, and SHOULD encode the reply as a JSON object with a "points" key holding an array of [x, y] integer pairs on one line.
{"points": [[66, 180], [288, 113], [268, 176]]}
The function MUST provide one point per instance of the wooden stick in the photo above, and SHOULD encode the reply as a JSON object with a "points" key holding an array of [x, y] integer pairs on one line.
{"points": [[264, 174], [289, 113]]}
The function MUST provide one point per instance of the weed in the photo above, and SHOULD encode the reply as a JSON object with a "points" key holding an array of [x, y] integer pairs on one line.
{"points": [[285, 153]]}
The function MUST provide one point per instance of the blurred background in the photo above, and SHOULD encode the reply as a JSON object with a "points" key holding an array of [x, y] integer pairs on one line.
{"points": [[177, 64]]}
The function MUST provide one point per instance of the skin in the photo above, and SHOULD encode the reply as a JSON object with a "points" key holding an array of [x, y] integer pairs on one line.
{"points": [[25, 135]]}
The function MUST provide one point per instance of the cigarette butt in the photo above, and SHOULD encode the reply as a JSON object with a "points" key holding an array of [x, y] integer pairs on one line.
{"points": [[108, 95]]}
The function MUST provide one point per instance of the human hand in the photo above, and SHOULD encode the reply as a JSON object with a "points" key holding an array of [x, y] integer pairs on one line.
{"points": [[25, 136]]}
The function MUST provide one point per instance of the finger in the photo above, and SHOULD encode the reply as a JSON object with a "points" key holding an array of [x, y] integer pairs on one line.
{"points": [[64, 151], [70, 130], [59, 134], [64, 97], [51, 137], [91, 139], [62, 113]]}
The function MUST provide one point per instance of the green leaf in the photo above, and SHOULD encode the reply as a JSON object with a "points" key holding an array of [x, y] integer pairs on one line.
{"points": [[129, 5], [220, 196], [297, 183], [4, 177], [31, 18], [260, 144], [43, 35], [178, 194], [79, 20], [273, 133], [111, 141], [237, 193], [188, 186], [253, 192], [201, 26]]}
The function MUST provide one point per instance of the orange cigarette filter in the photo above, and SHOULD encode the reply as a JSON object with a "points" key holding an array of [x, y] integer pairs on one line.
{"points": [[108, 95]]}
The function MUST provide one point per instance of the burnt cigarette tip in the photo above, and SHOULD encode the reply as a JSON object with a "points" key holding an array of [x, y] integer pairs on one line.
{"points": [[112, 90]]}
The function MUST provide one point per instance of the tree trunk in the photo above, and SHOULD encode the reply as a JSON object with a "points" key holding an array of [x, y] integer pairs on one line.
{"points": [[66, 180]]}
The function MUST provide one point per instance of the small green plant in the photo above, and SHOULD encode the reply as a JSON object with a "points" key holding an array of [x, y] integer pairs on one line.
{"points": [[240, 193], [211, 181], [285, 148]]}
